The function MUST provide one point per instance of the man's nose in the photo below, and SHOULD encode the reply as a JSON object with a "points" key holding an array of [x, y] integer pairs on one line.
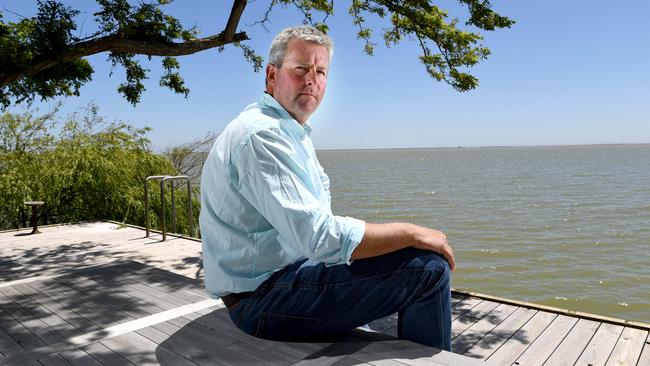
{"points": [[310, 76]]}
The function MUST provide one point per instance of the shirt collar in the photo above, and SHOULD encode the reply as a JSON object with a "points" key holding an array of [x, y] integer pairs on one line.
{"points": [[288, 122]]}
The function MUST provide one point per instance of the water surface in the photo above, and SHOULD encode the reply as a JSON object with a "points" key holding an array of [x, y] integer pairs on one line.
{"points": [[564, 226]]}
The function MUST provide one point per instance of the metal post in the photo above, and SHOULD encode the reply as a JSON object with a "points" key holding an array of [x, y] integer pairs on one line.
{"points": [[146, 208], [163, 219], [146, 200], [173, 207], [190, 223], [189, 198], [162, 209]]}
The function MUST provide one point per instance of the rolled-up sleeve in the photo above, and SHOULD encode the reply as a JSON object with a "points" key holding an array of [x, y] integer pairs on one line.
{"points": [[274, 177]]}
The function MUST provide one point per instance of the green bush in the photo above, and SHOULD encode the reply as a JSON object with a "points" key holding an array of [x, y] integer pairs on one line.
{"points": [[85, 169]]}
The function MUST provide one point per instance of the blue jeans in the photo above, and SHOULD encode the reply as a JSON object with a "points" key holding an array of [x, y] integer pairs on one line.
{"points": [[308, 300]]}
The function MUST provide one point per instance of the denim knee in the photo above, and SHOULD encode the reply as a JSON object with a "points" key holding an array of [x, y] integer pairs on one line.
{"points": [[436, 271]]}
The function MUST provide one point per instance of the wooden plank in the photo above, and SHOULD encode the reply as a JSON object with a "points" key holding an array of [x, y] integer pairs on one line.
{"points": [[156, 335], [60, 233], [25, 296], [165, 327], [96, 243], [161, 279], [211, 332], [18, 331], [142, 352], [8, 345], [107, 333], [384, 362], [464, 341], [52, 360], [463, 306], [332, 354], [574, 343], [628, 348], [149, 294], [601, 345], [29, 317], [522, 339], [471, 316], [99, 311], [122, 291], [143, 273], [268, 356], [456, 297], [500, 334], [105, 355], [158, 294], [153, 301], [559, 311], [548, 341], [411, 353], [223, 329], [644, 360], [348, 361], [54, 305], [82, 252], [200, 345], [50, 277], [107, 305], [79, 357]]}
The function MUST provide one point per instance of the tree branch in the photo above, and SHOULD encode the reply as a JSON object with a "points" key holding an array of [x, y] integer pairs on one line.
{"points": [[114, 43], [238, 7]]}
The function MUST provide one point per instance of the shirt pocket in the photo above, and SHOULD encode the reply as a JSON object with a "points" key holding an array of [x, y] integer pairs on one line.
{"points": [[288, 327]]}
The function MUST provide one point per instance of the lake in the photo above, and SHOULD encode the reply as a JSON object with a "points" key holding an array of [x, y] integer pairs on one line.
{"points": [[566, 226]]}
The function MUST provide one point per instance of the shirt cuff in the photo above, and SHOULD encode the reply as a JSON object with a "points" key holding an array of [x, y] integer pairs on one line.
{"points": [[356, 229]]}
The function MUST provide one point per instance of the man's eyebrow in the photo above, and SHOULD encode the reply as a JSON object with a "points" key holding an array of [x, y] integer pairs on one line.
{"points": [[310, 65]]}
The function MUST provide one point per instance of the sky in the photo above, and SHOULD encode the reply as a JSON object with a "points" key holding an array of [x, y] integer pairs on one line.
{"points": [[568, 72]]}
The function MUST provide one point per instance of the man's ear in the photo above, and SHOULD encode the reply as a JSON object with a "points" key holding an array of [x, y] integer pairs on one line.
{"points": [[270, 77]]}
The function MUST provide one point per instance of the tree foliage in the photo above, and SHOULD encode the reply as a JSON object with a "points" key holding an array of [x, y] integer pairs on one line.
{"points": [[83, 169], [42, 57]]}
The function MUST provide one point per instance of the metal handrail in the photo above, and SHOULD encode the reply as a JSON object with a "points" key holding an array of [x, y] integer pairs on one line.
{"points": [[172, 179], [146, 200]]}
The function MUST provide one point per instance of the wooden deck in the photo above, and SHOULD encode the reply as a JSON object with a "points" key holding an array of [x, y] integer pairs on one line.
{"points": [[96, 294]]}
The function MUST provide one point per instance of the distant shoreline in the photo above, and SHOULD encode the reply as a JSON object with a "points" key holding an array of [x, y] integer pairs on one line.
{"points": [[486, 147]]}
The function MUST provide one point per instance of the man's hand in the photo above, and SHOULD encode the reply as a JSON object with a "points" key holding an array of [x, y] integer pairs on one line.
{"points": [[435, 241], [381, 239]]}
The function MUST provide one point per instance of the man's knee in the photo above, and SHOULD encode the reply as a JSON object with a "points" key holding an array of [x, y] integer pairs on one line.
{"points": [[435, 268]]}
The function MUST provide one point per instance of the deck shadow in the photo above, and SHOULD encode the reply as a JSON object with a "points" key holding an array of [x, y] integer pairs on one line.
{"points": [[43, 311], [64, 257], [213, 338]]}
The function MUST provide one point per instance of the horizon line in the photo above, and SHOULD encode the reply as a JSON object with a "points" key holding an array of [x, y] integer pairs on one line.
{"points": [[482, 146]]}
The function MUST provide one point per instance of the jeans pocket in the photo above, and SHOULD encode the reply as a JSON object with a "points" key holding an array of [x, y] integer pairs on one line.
{"points": [[287, 327]]}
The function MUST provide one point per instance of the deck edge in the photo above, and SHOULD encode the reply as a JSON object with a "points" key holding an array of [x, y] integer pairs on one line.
{"points": [[552, 309], [153, 230]]}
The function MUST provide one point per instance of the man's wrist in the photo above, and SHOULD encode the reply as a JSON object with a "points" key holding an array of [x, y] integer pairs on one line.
{"points": [[411, 234]]}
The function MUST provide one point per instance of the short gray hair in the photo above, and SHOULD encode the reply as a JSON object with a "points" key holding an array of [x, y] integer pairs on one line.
{"points": [[304, 32]]}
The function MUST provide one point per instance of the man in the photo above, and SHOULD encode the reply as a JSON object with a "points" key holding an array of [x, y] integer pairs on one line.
{"points": [[285, 266]]}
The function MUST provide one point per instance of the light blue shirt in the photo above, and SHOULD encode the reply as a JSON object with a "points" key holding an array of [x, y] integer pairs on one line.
{"points": [[265, 202]]}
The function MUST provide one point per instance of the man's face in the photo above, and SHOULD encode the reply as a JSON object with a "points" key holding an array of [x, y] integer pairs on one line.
{"points": [[299, 85]]}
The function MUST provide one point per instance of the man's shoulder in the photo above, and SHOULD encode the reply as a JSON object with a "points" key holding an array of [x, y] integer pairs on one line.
{"points": [[253, 119]]}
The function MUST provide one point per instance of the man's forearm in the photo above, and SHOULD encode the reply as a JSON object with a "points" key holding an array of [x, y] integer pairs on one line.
{"points": [[380, 239]]}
